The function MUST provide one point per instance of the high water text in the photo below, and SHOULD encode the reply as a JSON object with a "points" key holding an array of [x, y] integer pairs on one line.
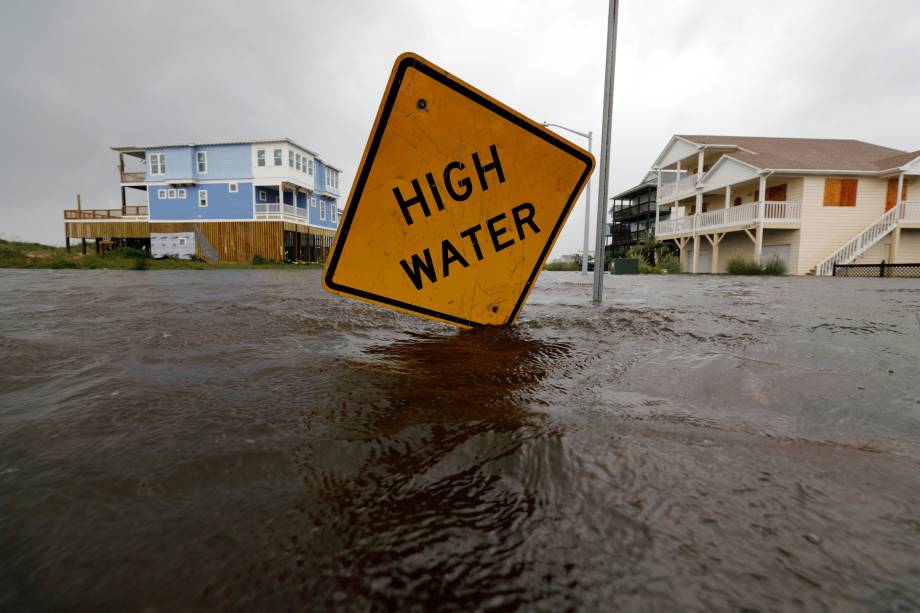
{"points": [[458, 185]]}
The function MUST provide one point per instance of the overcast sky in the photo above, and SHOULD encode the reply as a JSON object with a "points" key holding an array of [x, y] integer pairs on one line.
{"points": [[79, 77]]}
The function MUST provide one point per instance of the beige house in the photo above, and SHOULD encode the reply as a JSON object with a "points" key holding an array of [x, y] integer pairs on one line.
{"points": [[810, 202]]}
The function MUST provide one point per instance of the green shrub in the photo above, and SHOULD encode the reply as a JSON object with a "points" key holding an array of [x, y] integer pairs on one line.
{"points": [[775, 266], [669, 264], [140, 264], [739, 265]]}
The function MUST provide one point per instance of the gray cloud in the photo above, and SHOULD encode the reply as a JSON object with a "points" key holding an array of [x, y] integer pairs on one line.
{"points": [[81, 76]]}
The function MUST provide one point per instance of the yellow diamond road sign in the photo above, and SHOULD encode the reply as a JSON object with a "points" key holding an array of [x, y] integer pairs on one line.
{"points": [[456, 204]]}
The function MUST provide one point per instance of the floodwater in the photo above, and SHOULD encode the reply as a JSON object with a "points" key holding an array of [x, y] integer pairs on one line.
{"points": [[240, 440]]}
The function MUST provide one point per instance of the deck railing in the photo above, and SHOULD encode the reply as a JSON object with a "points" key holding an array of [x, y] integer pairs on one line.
{"points": [[910, 212], [133, 177], [743, 215], [130, 213], [277, 210], [685, 185]]}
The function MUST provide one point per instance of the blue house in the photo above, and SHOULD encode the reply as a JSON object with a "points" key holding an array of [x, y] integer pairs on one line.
{"points": [[232, 200]]}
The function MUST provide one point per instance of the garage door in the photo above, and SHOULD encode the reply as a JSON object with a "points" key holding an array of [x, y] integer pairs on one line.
{"points": [[705, 260], [783, 252]]}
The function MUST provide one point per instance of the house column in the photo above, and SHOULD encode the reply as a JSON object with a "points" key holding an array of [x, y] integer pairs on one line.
{"points": [[758, 240], [657, 210], [895, 245], [714, 263], [696, 254], [728, 196], [699, 163]]}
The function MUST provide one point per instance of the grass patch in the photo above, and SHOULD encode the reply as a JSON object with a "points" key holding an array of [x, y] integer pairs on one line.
{"points": [[562, 266], [745, 266], [35, 255]]}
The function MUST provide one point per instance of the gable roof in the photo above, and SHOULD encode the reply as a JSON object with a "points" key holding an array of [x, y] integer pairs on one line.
{"points": [[807, 153]]}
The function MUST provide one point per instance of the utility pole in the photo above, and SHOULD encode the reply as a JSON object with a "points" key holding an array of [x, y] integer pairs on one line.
{"points": [[599, 258]]}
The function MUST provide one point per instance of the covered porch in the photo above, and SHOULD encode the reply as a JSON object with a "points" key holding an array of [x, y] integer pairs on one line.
{"points": [[283, 201], [750, 207]]}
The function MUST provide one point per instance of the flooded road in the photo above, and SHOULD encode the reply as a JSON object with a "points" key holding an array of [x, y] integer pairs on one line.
{"points": [[240, 440]]}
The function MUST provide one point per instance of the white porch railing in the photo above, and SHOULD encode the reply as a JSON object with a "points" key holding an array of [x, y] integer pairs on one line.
{"points": [[683, 186], [862, 242], [277, 210], [911, 212], [744, 215]]}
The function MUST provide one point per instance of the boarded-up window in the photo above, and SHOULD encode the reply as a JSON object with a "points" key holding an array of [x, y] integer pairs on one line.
{"points": [[839, 192]]}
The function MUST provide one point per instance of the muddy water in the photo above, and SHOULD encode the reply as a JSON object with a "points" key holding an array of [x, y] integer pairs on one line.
{"points": [[239, 440]]}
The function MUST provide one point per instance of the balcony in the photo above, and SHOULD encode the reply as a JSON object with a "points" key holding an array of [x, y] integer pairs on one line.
{"points": [[132, 177], [678, 189], [285, 212], [910, 213], [733, 218], [131, 213]]}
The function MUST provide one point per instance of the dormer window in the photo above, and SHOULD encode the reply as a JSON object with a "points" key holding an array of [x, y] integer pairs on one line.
{"points": [[260, 158], [278, 160], [298, 161], [291, 159], [202, 157]]}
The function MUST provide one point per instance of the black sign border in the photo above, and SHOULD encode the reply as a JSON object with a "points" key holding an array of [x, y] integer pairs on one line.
{"points": [[444, 78]]}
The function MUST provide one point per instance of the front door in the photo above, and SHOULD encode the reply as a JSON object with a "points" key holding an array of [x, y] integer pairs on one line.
{"points": [[891, 198]]}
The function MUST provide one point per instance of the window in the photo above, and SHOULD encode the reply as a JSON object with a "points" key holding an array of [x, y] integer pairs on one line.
{"points": [[291, 159], [161, 194], [310, 171], [335, 213], [171, 194], [203, 198], [262, 196], [332, 178], [158, 163], [202, 157], [234, 188], [183, 242], [322, 210], [278, 161], [181, 193], [260, 157], [839, 192], [313, 202], [297, 161]]}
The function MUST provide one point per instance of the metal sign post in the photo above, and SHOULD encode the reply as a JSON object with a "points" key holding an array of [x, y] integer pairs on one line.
{"points": [[605, 153]]}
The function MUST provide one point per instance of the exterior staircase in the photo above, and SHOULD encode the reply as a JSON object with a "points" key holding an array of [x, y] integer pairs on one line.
{"points": [[207, 251], [860, 243]]}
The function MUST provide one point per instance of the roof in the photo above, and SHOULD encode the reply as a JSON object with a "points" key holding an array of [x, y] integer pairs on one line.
{"points": [[216, 143], [808, 153]]}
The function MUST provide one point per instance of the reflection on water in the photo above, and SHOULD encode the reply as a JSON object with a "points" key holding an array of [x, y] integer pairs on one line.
{"points": [[219, 440]]}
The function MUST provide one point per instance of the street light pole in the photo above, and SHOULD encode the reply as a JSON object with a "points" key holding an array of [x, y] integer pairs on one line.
{"points": [[588, 135]]}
